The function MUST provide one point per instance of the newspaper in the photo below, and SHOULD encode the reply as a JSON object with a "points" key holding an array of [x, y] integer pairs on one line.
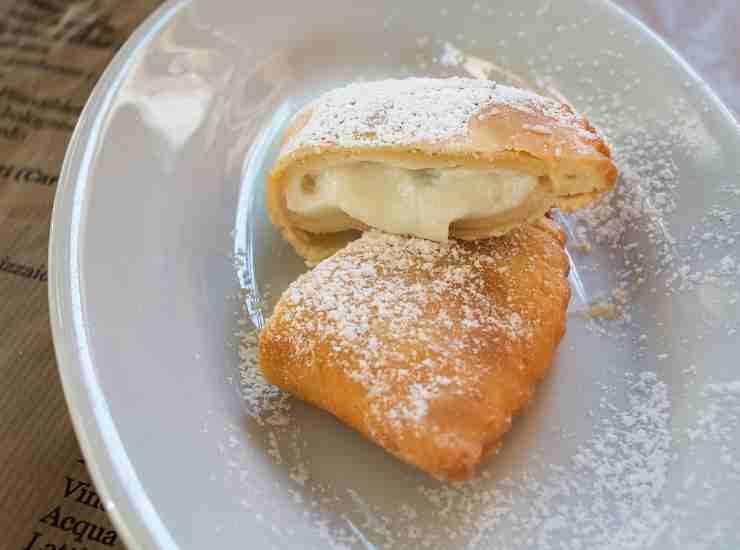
{"points": [[51, 54]]}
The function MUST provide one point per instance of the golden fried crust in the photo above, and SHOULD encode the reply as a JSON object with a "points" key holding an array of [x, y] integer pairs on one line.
{"points": [[515, 130], [428, 349]]}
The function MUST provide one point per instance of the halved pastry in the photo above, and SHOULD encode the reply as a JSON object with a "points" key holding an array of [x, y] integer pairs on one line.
{"points": [[432, 158], [426, 348]]}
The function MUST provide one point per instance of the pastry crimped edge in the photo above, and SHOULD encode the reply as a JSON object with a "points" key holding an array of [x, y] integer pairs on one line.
{"points": [[503, 135]]}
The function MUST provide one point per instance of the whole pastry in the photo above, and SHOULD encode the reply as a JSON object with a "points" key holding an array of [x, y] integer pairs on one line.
{"points": [[426, 348], [431, 158]]}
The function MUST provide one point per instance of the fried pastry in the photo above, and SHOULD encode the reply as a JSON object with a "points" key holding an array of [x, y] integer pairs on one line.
{"points": [[426, 348], [432, 158]]}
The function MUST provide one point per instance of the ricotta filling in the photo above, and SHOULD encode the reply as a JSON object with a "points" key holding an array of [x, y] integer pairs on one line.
{"points": [[418, 202]]}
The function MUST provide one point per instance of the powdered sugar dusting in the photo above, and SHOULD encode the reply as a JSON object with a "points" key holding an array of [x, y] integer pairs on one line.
{"points": [[416, 111], [395, 112], [613, 488], [266, 403], [336, 302]]}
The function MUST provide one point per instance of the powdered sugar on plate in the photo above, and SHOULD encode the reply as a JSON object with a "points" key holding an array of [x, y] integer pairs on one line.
{"points": [[613, 487], [266, 403]]}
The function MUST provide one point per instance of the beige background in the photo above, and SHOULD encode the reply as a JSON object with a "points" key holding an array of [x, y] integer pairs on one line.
{"points": [[38, 450]]}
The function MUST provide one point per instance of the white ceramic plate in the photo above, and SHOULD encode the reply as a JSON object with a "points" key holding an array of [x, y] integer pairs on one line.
{"points": [[632, 442]]}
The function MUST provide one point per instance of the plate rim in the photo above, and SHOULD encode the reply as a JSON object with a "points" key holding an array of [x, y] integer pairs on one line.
{"points": [[132, 513], [126, 501]]}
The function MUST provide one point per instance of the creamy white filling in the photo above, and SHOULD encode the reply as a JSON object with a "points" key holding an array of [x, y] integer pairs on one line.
{"points": [[399, 200]]}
